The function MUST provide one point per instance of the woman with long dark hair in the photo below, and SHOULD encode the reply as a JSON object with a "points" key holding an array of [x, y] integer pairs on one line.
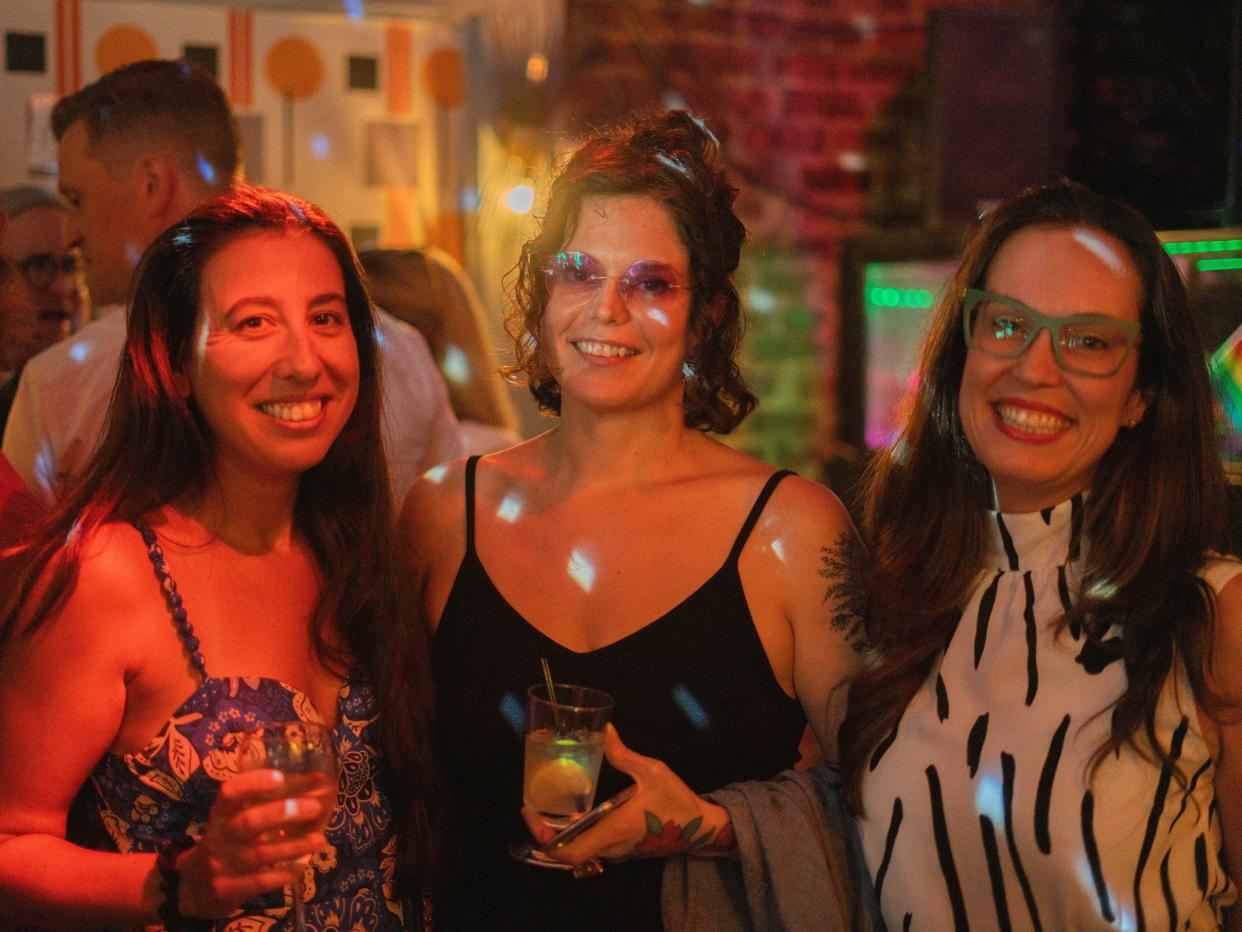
{"points": [[1047, 733], [227, 561], [710, 595]]}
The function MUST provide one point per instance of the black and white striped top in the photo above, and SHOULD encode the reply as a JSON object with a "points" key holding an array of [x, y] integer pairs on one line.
{"points": [[980, 810]]}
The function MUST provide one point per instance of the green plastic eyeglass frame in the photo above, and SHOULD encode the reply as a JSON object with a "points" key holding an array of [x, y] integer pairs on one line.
{"points": [[1053, 325]]}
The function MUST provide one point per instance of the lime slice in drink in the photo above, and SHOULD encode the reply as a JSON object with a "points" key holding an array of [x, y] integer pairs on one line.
{"points": [[560, 786]]}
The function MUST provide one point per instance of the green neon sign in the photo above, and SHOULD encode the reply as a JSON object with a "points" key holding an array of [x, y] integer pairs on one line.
{"points": [[1196, 247], [879, 296], [1218, 265]]}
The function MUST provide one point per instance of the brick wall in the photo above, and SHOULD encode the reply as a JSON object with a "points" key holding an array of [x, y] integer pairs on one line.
{"points": [[818, 104]]}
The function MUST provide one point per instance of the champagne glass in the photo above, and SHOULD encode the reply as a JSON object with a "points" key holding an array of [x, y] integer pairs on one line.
{"points": [[304, 753]]}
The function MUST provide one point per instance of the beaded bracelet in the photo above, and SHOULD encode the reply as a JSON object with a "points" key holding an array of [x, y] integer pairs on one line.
{"points": [[170, 885]]}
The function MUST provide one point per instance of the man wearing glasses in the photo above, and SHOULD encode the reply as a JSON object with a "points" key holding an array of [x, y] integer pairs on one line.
{"points": [[40, 288]]}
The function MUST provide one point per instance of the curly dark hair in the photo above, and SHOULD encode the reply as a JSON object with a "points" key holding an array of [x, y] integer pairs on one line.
{"points": [[676, 160]]}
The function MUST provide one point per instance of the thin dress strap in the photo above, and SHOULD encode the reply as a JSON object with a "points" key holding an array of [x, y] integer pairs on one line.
{"points": [[185, 631], [471, 463], [756, 510]]}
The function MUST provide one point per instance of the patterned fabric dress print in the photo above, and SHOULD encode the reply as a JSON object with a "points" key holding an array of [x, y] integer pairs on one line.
{"points": [[133, 801], [980, 811], [167, 789]]}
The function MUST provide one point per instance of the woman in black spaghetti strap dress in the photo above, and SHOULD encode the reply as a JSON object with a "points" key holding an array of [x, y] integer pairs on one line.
{"points": [[714, 598]]}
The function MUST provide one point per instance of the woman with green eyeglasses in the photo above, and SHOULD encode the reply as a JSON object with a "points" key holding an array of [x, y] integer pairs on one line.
{"points": [[713, 597], [1046, 735]]}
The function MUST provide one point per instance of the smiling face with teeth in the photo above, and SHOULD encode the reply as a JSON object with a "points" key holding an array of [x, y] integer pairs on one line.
{"points": [[611, 350], [1037, 429], [274, 370]]}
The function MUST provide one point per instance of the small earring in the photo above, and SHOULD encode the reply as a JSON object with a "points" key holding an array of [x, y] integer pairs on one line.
{"points": [[1133, 422]]}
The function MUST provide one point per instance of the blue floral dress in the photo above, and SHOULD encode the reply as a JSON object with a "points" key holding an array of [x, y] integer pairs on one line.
{"points": [[133, 801]]}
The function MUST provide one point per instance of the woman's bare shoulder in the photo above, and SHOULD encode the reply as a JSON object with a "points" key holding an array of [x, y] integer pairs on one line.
{"points": [[799, 492], [803, 506], [115, 572], [112, 595], [438, 497]]}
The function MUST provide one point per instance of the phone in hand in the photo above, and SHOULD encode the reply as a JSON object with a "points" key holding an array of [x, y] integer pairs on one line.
{"points": [[589, 818]]}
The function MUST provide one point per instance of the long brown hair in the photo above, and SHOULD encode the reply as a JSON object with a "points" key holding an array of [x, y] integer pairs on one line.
{"points": [[1156, 502], [674, 158], [157, 449]]}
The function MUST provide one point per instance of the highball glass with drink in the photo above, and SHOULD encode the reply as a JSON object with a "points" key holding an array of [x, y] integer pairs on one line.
{"points": [[564, 749]]}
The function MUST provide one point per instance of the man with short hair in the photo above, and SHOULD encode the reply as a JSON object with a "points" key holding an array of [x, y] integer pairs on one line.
{"points": [[139, 149]]}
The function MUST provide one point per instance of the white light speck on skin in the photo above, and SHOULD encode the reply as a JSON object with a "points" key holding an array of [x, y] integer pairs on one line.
{"points": [[581, 571], [510, 508], [1090, 239]]}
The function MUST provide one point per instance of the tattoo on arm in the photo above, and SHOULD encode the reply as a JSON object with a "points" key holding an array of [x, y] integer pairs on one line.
{"points": [[844, 566], [665, 838]]}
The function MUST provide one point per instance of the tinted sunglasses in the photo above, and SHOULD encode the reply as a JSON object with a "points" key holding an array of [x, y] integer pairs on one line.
{"points": [[646, 283]]}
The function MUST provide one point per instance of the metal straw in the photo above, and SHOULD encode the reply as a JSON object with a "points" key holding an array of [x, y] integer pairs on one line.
{"points": [[547, 678]]}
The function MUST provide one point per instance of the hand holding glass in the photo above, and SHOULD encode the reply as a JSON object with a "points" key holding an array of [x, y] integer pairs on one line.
{"points": [[304, 753], [564, 750]]}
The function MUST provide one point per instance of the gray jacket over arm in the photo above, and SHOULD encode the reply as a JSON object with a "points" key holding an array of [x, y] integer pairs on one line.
{"points": [[799, 866]]}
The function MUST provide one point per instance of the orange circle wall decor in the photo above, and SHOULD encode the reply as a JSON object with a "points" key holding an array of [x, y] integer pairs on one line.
{"points": [[123, 45], [294, 68]]}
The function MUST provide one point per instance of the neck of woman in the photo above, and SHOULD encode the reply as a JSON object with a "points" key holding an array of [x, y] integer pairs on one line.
{"points": [[630, 448], [251, 514]]}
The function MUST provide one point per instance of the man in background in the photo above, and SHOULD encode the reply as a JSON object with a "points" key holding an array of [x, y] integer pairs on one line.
{"points": [[18, 507], [41, 294], [138, 150]]}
